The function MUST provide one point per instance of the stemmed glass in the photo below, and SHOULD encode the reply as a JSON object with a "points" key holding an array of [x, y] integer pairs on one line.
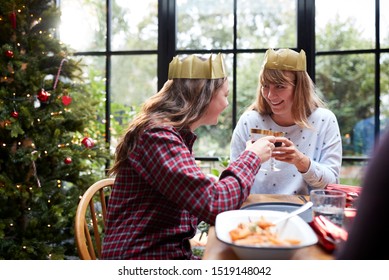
{"points": [[276, 144], [256, 133]]}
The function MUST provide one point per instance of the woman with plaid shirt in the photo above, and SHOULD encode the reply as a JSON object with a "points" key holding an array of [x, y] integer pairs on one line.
{"points": [[160, 194]]}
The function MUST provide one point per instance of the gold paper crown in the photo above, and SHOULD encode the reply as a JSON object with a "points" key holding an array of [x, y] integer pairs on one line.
{"points": [[285, 59], [193, 67]]}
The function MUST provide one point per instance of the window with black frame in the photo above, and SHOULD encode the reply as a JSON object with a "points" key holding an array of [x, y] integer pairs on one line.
{"points": [[119, 45], [349, 63]]}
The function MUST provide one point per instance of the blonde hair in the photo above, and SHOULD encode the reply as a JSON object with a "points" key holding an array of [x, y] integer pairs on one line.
{"points": [[305, 98], [179, 103]]}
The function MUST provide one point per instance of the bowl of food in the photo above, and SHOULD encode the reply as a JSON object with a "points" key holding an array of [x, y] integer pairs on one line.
{"points": [[252, 235]]}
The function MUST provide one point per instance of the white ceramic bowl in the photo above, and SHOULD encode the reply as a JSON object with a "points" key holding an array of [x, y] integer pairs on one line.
{"points": [[293, 228]]}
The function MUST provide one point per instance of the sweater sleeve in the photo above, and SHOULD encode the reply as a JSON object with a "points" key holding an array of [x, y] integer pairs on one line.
{"points": [[239, 138], [326, 168]]}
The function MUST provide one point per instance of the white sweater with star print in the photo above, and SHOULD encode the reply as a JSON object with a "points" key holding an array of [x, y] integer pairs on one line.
{"points": [[322, 144]]}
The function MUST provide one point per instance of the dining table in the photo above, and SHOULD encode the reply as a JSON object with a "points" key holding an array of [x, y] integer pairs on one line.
{"points": [[217, 250]]}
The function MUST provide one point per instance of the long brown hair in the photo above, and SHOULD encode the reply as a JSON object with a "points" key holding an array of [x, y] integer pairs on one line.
{"points": [[305, 99], [179, 103]]}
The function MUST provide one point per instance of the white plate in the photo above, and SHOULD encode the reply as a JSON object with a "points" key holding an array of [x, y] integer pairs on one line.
{"points": [[295, 228], [280, 206]]}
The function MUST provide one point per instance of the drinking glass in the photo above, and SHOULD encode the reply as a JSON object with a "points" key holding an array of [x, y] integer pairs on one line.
{"points": [[330, 204], [273, 166], [256, 133]]}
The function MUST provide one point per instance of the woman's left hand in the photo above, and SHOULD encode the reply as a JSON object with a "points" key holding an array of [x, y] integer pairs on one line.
{"points": [[288, 152]]}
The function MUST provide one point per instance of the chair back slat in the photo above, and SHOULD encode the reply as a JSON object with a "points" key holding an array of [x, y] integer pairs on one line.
{"points": [[89, 243], [90, 219], [95, 225], [103, 205]]}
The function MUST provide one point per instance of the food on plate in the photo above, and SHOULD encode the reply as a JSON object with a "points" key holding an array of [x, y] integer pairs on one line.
{"points": [[260, 232]]}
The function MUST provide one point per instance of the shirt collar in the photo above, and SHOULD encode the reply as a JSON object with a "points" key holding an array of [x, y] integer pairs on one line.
{"points": [[188, 136]]}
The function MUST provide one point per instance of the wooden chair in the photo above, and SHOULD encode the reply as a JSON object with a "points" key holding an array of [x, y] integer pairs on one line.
{"points": [[90, 218]]}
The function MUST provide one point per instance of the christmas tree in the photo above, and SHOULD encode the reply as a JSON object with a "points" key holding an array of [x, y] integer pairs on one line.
{"points": [[51, 149]]}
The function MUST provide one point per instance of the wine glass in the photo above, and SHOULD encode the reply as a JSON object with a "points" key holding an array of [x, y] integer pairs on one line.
{"points": [[276, 144], [256, 133]]}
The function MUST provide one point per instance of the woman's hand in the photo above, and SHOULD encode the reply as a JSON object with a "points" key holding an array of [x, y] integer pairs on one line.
{"points": [[288, 152], [263, 147]]}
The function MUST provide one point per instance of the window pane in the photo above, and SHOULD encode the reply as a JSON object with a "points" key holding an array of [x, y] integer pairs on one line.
{"points": [[134, 25], [351, 172], [384, 23], [347, 83], [214, 140], [204, 24], [93, 68], [134, 79], [264, 24], [248, 67], [83, 24], [345, 25], [384, 87]]}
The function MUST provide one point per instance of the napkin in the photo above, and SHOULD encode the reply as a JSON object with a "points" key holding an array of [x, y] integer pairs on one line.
{"points": [[329, 234], [352, 192]]}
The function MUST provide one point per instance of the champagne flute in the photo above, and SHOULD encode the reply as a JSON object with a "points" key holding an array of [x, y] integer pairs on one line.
{"points": [[256, 133], [276, 144]]}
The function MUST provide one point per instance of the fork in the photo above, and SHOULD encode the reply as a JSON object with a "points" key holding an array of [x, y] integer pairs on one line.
{"points": [[299, 210]]}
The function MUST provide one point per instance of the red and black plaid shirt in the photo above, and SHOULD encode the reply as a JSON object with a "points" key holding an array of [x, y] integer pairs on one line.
{"points": [[161, 195]]}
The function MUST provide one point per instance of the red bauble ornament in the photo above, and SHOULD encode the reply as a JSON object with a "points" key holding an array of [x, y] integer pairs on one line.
{"points": [[66, 100], [9, 54], [43, 95], [12, 19], [15, 114], [67, 160], [88, 142]]}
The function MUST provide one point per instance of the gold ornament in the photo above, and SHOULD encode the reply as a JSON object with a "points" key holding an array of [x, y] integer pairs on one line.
{"points": [[285, 59], [193, 67]]}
